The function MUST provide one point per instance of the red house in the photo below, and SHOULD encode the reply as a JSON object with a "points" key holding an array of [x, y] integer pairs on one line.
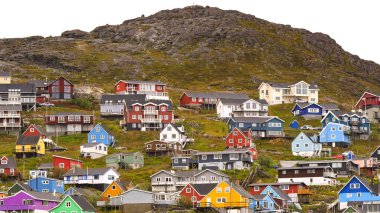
{"points": [[192, 193], [35, 130], [144, 114], [367, 99], [59, 89], [153, 89], [206, 100], [298, 191], [238, 138], [8, 166], [66, 163]]}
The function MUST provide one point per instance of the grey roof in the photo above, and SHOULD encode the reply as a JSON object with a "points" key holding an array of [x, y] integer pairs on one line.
{"points": [[287, 85], [257, 119], [90, 171], [176, 128], [232, 101], [87, 145], [39, 83], [276, 184], [115, 98], [24, 88], [259, 197], [329, 106], [26, 187], [313, 86], [281, 193], [80, 191], [104, 128], [341, 113], [43, 196], [241, 190], [123, 185], [190, 173], [71, 113], [262, 101], [46, 166], [306, 167], [219, 95], [205, 188], [27, 140], [374, 188], [141, 99], [11, 163], [4, 74], [143, 82], [11, 107], [83, 203], [226, 151]]}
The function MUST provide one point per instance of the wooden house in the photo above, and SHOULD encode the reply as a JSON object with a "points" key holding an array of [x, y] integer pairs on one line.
{"points": [[310, 175], [28, 201], [132, 160], [194, 193], [98, 178], [68, 123], [173, 133], [369, 105], [116, 188], [239, 138], [10, 118], [5, 78], [29, 146], [8, 166], [45, 184], [262, 126], [58, 89], [18, 186], [306, 146], [206, 100], [335, 134], [152, 89], [100, 134], [66, 163], [14, 94], [159, 148], [73, 203], [299, 192], [112, 106], [35, 130], [93, 150]]}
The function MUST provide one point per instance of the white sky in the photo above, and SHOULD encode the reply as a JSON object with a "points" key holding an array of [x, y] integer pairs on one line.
{"points": [[354, 24]]}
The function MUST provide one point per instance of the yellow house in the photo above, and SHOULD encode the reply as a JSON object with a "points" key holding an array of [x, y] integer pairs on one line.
{"points": [[5, 78], [226, 195], [29, 146], [116, 188]]}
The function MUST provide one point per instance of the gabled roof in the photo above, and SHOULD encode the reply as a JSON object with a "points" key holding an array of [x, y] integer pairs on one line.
{"points": [[332, 123], [58, 156], [175, 127], [216, 95], [24, 186], [239, 189], [38, 128], [304, 105], [329, 106], [24, 88], [308, 136], [88, 145], [141, 82], [357, 210], [189, 173], [375, 151], [226, 151], [239, 130], [203, 188], [70, 113], [59, 78], [120, 184], [131, 100], [11, 162], [363, 181], [4, 74], [115, 98], [103, 127], [232, 101], [287, 85], [363, 96], [306, 167], [277, 184], [40, 83], [92, 171], [46, 166], [83, 203], [39, 195], [257, 119], [213, 171], [280, 193], [27, 140]]}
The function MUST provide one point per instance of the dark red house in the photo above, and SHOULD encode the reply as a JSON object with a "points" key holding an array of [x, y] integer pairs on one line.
{"points": [[206, 100], [238, 138], [59, 89], [144, 114], [8, 166], [35, 130], [368, 99], [192, 193], [153, 89], [66, 163]]}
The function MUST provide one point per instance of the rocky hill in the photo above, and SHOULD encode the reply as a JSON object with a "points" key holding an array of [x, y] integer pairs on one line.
{"points": [[194, 48]]}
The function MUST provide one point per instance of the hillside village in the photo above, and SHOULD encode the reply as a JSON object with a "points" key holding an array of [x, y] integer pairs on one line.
{"points": [[148, 147]]}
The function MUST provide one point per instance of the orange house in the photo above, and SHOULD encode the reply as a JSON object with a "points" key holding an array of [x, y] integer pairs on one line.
{"points": [[116, 188]]}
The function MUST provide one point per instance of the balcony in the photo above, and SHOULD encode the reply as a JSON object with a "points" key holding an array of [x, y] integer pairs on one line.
{"points": [[10, 125], [10, 115], [354, 123], [150, 120], [150, 112]]}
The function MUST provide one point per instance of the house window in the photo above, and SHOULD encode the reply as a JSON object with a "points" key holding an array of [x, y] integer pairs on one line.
{"points": [[51, 118], [137, 108], [297, 145], [219, 190], [221, 200], [349, 195], [45, 203], [278, 98], [256, 188], [183, 160], [68, 204], [333, 128], [217, 156], [31, 129], [102, 136], [310, 171], [359, 194], [175, 160], [312, 99], [188, 190], [234, 156], [336, 165], [45, 190], [174, 136], [227, 189], [278, 90], [168, 179], [158, 179], [96, 177], [296, 171], [213, 178], [113, 187], [204, 157], [354, 186], [27, 202], [235, 133], [312, 91], [306, 145], [247, 105], [4, 161], [284, 187], [93, 137], [240, 140], [203, 178], [61, 165], [97, 129], [241, 124], [333, 136], [313, 110], [193, 198], [231, 141], [86, 119], [45, 182], [134, 117], [61, 119], [283, 172]]}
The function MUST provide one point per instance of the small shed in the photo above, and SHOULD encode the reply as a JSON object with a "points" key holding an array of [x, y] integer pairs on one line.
{"points": [[295, 125]]}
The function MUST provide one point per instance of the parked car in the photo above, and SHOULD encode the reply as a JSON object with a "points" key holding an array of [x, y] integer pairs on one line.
{"points": [[47, 104], [307, 127], [298, 100]]}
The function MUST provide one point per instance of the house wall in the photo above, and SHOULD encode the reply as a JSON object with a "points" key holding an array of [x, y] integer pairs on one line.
{"points": [[186, 100], [15, 202], [137, 197], [57, 89], [235, 136], [370, 100], [291, 173], [307, 148], [169, 135], [68, 163], [113, 109], [120, 87], [35, 132], [96, 134], [110, 192], [311, 110], [63, 208], [5, 79], [316, 181], [52, 185], [332, 134], [187, 196]]}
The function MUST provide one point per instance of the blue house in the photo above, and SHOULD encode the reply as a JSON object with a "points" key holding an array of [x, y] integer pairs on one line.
{"points": [[262, 126], [306, 146], [358, 190], [335, 134], [294, 124], [277, 193], [359, 124], [265, 203], [313, 109], [44, 184], [99, 134]]}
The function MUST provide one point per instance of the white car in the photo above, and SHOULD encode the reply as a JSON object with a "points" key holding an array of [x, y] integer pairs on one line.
{"points": [[47, 104]]}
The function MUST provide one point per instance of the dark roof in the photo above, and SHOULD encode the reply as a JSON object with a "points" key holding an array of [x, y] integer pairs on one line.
{"points": [[115, 98], [232, 101], [4, 74], [341, 113], [281, 193], [11, 107], [226, 151], [27, 140], [279, 85], [104, 128], [43, 196], [374, 188], [241, 190], [123, 184], [71, 113], [306, 167], [259, 197], [204, 189], [24, 88], [219, 95], [39, 83], [26, 187], [257, 119], [143, 82], [83, 203], [141, 99], [46, 166], [11, 163], [276, 184], [89, 171], [262, 101], [329, 106]]}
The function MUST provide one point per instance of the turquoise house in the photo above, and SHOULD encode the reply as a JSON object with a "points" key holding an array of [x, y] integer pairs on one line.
{"points": [[265, 203], [99, 134], [277, 193], [306, 146], [335, 134]]}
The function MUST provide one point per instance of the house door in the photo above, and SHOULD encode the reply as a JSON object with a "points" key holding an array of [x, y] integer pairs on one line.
{"points": [[208, 201], [263, 134]]}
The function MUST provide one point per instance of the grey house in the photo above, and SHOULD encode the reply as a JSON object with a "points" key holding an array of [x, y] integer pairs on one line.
{"points": [[227, 159], [173, 181], [24, 94], [133, 201], [112, 106]]}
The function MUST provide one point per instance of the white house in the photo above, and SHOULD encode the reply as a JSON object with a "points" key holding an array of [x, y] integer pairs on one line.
{"points": [[93, 176], [93, 150], [227, 108], [173, 133], [224, 107], [278, 93]]}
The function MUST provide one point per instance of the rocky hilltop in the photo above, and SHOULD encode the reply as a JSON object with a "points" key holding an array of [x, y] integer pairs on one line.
{"points": [[194, 48]]}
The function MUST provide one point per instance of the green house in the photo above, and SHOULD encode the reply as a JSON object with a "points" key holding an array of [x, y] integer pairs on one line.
{"points": [[18, 187], [74, 203], [131, 160]]}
